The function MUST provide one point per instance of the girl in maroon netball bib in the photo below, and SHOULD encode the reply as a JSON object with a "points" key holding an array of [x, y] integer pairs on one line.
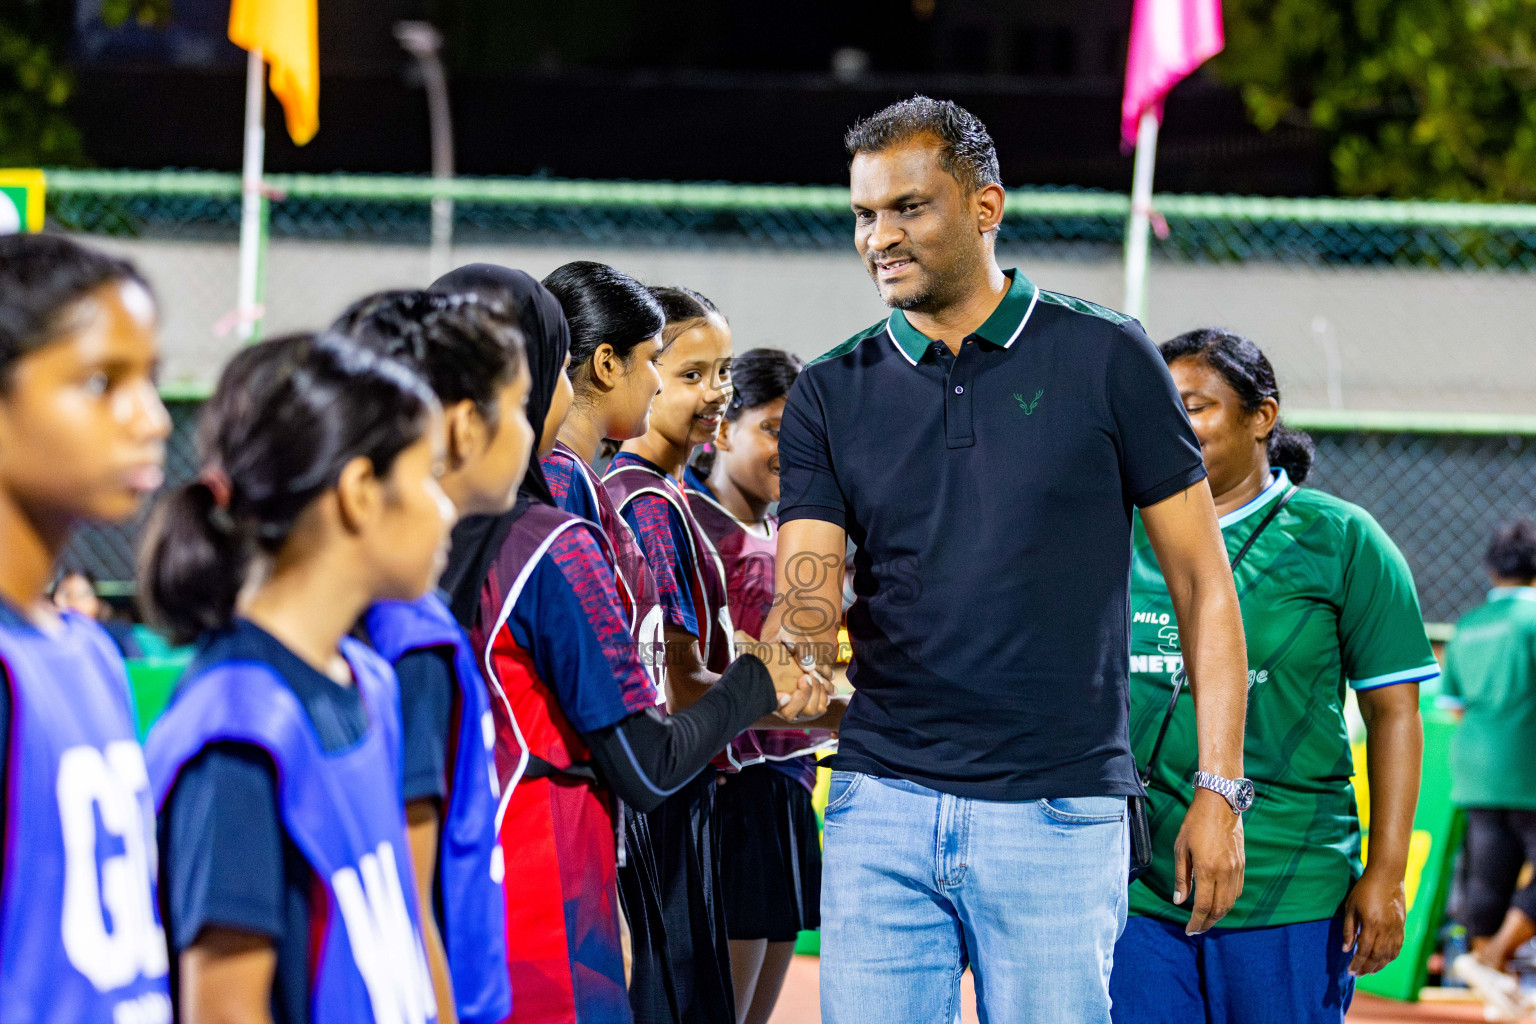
{"points": [[615, 342], [771, 862], [536, 589], [645, 481]]}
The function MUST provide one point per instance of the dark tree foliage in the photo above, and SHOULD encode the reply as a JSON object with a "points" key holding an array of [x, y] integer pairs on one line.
{"points": [[1416, 98], [35, 83]]}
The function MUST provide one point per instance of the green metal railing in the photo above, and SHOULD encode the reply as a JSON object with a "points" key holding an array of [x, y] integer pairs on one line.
{"points": [[1201, 227], [820, 198]]}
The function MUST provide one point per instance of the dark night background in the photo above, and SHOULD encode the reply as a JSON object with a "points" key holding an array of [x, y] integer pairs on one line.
{"points": [[677, 89]]}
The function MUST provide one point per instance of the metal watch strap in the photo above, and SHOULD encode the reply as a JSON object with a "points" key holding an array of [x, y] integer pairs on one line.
{"points": [[1238, 793], [1222, 787]]}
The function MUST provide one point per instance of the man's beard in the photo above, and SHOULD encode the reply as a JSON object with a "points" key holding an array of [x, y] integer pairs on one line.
{"points": [[938, 291], [921, 301], [918, 301]]}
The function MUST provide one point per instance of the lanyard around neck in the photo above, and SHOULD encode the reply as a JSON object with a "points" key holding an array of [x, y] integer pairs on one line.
{"points": [[1178, 677]]}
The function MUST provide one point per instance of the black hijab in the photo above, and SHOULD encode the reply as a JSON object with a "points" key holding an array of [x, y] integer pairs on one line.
{"points": [[478, 539]]}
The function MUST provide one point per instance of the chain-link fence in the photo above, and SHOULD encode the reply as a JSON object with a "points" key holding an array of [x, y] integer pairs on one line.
{"points": [[1439, 491], [1361, 304], [1438, 495], [1417, 308]]}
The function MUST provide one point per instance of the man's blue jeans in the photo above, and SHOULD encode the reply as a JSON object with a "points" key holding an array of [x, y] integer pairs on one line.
{"points": [[917, 884]]}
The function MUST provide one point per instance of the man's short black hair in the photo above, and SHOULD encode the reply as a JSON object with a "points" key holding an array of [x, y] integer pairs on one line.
{"points": [[1512, 554], [966, 152]]}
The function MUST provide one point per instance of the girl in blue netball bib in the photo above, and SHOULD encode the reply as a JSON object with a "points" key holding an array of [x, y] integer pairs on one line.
{"points": [[285, 870], [82, 437], [471, 353]]}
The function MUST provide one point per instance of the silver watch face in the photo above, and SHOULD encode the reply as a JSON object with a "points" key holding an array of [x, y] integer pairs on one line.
{"points": [[1242, 799]]}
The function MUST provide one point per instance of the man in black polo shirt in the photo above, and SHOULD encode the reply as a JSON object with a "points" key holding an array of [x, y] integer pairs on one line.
{"points": [[984, 448]]}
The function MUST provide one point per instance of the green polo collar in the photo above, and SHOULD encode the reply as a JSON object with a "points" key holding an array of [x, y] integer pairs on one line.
{"points": [[1002, 328]]}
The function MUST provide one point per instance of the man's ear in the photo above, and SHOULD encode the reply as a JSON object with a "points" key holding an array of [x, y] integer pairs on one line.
{"points": [[465, 431], [359, 495], [605, 368], [987, 206]]}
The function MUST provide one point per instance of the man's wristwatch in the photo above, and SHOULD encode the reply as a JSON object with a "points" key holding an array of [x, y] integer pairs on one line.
{"points": [[1237, 792]]}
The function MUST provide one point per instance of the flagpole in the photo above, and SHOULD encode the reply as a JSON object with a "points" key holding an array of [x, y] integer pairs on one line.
{"points": [[247, 307], [1137, 229]]}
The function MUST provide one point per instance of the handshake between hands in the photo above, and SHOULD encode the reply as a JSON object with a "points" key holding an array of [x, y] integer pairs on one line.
{"points": [[804, 687]]}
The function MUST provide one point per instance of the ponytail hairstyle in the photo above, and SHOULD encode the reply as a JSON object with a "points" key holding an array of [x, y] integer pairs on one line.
{"points": [[758, 377], [1245, 369], [467, 347], [603, 306], [1512, 554], [42, 278], [683, 308], [287, 417]]}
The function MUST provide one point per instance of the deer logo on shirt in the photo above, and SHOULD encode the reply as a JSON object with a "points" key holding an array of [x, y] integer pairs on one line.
{"points": [[1029, 406]]}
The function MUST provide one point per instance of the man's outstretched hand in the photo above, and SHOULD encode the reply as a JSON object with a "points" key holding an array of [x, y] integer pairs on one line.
{"points": [[804, 691], [1208, 859]]}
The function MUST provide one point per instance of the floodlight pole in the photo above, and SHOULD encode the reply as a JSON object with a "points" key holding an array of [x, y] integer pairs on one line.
{"points": [[425, 43]]}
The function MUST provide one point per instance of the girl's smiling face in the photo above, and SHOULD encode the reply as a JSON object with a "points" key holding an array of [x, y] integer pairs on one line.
{"points": [[695, 384], [747, 451]]}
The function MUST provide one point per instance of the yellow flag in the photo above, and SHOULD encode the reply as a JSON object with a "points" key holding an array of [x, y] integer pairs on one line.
{"points": [[288, 35]]}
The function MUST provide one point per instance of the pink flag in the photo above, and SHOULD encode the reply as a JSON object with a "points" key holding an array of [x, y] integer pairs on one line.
{"points": [[1169, 39]]}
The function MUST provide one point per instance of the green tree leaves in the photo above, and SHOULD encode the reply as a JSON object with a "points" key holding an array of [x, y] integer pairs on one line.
{"points": [[35, 84], [1416, 98]]}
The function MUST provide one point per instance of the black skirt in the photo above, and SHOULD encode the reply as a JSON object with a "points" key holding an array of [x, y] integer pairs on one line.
{"points": [[670, 887], [770, 863]]}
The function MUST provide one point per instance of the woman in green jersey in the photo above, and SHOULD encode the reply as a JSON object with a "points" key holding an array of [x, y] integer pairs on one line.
{"points": [[1490, 675], [1328, 603]]}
